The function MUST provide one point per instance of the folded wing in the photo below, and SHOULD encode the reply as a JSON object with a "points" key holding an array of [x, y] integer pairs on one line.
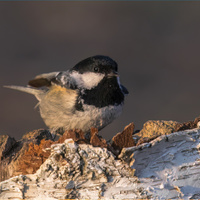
{"points": [[54, 78]]}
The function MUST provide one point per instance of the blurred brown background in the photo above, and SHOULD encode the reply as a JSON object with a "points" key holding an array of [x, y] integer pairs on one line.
{"points": [[156, 45]]}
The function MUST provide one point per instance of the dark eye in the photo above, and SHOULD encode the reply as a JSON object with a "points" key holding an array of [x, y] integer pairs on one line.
{"points": [[96, 69]]}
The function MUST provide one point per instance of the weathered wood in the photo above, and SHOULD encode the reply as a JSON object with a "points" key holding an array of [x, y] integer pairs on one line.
{"points": [[167, 167]]}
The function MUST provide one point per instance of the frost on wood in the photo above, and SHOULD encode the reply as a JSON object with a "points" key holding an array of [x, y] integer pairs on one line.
{"points": [[167, 167]]}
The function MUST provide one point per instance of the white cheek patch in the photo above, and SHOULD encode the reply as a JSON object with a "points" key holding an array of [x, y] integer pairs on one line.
{"points": [[87, 80]]}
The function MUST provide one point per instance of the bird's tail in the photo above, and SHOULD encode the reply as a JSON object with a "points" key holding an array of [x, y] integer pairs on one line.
{"points": [[36, 92]]}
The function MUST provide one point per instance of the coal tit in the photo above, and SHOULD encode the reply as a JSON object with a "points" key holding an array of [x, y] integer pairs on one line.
{"points": [[88, 95]]}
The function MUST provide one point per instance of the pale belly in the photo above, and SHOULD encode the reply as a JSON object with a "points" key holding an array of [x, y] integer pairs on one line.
{"points": [[84, 120]]}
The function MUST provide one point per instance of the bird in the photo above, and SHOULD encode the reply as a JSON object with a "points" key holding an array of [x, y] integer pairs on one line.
{"points": [[87, 95]]}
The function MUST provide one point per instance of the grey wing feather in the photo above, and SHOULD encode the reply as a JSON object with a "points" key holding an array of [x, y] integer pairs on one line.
{"points": [[43, 80], [58, 78], [46, 80]]}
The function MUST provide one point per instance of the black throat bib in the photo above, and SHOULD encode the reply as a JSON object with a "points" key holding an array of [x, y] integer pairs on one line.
{"points": [[107, 92]]}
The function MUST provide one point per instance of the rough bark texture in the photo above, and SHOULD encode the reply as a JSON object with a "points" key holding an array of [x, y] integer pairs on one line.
{"points": [[124, 139], [75, 171], [169, 166], [23, 156], [27, 155], [166, 167], [154, 128]]}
